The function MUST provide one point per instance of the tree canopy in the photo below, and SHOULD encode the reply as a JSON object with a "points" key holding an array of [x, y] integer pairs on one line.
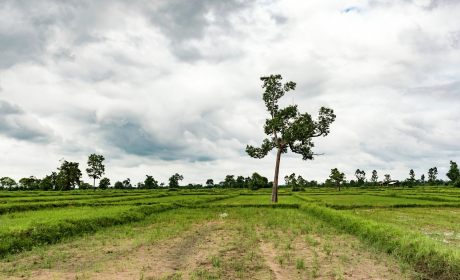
{"points": [[96, 169], [287, 127], [337, 177], [174, 180], [69, 175], [454, 173]]}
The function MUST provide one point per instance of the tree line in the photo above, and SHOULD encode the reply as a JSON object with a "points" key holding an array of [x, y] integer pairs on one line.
{"points": [[68, 177], [338, 179]]}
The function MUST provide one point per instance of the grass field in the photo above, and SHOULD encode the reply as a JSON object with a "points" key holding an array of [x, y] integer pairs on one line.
{"points": [[345, 201], [442, 224], [231, 234]]}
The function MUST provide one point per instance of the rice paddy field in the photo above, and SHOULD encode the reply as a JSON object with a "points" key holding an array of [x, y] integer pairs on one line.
{"points": [[380, 233]]}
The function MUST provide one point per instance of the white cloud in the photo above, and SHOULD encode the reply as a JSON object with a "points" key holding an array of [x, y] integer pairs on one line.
{"points": [[181, 92]]}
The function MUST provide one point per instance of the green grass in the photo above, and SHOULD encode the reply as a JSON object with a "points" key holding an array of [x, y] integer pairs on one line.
{"points": [[441, 224], [371, 201], [24, 220], [258, 200], [435, 259], [171, 199]]}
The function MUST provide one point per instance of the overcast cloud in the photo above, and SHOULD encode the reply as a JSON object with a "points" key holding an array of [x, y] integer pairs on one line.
{"points": [[160, 87]]}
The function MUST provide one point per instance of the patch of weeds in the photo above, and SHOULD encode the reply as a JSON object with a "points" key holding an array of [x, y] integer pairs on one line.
{"points": [[204, 275], [311, 241], [300, 263], [280, 260], [327, 248], [215, 261], [287, 256], [344, 258]]}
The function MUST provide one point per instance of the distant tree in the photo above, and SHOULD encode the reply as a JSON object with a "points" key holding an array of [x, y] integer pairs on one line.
{"points": [[53, 178], [162, 185], [432, 175], [291, 182], [29, 183], [361, 176], [150, 182], [352, 183], [118, 185], [84, 186], [46, 184], [229, 181], [387, 178], [174, 180], [104, 183], [69, 175], [240, 182], [422, 179], [209, 183], [96, 169], [454, 173], [313, 183], [257, 181], [297, 184], [374, 177], [337, 177], [411, 178], [301, 182], [127, 184], [140, 186], [7, 183], [287, 127]]}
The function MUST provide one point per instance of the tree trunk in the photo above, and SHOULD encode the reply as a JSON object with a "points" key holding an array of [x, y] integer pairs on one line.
{"points": [[275, 181], [94, 184]]}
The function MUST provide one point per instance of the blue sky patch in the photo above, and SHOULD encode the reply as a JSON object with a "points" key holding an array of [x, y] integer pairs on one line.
{"points": [[351, 9]]}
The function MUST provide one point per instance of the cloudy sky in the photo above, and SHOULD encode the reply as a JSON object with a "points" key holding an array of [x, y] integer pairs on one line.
{"points": [[167, 86]]}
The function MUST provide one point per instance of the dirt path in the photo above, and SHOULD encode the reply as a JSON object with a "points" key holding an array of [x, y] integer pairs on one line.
{"points": [[270, 259]]}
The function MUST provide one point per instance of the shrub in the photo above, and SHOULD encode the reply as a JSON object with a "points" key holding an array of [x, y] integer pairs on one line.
{"points": [[457, 184]]}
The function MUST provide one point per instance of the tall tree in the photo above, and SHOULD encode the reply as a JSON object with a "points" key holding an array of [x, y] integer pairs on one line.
{"points": [[118, 185], [361, 176], [374, 177], [422, 179], [297, 184], [104, 183], [7, 183], [30, 183], [287, 127], [387, 178], [257, 181], [240, 183], [229, 181], [291, 182], [174, 180], [69, 175], [337, 177], [209, 183], [454, 173], [411, 178], [127, 184], [46, 184], [150, 182], [432, 176], [96, 169]]}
